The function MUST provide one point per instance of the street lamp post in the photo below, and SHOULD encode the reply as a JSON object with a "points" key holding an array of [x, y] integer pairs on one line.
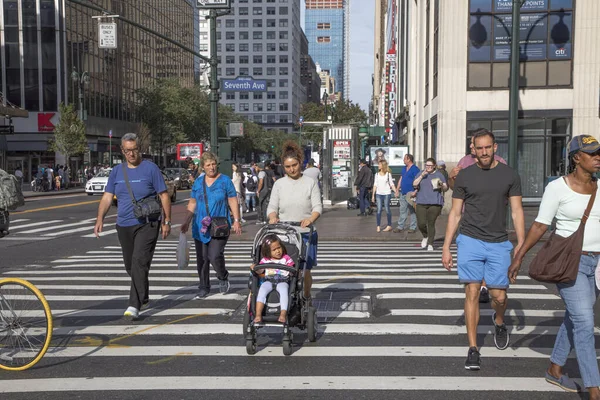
{"points": [[325, 98], [80, 80], [513, 107]]}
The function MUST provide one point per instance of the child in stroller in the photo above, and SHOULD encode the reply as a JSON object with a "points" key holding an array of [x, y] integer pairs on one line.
{"points": [[300, 313], [273, 251]]}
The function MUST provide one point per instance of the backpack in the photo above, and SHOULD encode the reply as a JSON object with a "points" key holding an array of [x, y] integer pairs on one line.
{"points": [[268, 181], [251, 184], [11, 195]]}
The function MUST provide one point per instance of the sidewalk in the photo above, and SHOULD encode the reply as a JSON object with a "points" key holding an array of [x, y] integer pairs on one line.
{"points": [[28, 193], [339, 223]]}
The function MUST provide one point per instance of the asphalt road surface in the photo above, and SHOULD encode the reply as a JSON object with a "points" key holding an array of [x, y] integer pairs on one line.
{"points": [[391, 323]]}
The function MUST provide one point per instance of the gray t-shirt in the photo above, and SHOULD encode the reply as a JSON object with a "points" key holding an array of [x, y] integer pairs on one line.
{"points": [[295, 199], [485, 193], [426, 194]]}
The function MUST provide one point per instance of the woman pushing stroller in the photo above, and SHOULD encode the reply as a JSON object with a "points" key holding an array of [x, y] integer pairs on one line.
{"points": [[273, 251]]}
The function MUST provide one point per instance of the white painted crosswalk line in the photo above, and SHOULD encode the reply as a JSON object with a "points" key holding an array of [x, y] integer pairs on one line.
{"points": [[88, 228], [49, 228], [12, 228], [406, 295]]}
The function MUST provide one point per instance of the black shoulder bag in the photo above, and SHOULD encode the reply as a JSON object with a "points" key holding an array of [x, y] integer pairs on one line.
{"points": [[148, 208], [219, 226]]}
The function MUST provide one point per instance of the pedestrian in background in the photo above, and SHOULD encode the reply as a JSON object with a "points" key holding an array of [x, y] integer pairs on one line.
{"points": [[313, 172], [431, 186], [137, 236], [250, 185], [383, 186], [263, 192], [483, 248], [363, 182], [237, 179], [441, 166], [566, 200], [405, 189], [213, 195]]}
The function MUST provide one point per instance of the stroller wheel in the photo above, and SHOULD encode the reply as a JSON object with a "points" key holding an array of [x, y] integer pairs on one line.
{"points": [[287, 347], [311, 324], [250, 347]]}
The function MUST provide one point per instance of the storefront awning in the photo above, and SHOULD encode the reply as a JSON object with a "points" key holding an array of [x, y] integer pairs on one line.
{"points": [[13, 112]]}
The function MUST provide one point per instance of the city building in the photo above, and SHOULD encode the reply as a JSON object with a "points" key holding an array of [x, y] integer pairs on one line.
{"points": [[450, 75], [327, 27], [261, 39], [327, 82], [308, 73], [376, 108], [50, 55]]}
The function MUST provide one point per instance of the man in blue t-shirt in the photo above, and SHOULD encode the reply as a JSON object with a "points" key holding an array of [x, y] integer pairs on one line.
{"points": [[137, 236], [405, 187]]}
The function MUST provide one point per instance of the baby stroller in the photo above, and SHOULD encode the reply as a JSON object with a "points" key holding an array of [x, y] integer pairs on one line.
{"points": [[300, 313]]}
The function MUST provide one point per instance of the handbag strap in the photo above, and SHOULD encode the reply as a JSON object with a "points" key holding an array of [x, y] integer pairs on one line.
{"points": [[127, 183], [588, 210], [205, 197]]}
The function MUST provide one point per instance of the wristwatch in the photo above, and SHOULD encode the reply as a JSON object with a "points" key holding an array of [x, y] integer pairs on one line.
{"points": [[236, 220], [167, 223]]}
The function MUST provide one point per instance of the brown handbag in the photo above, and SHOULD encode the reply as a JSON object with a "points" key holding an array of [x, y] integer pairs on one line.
{"points": [[558, 260]]}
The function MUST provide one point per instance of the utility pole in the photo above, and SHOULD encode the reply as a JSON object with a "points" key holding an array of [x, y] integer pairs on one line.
{"points": [[513, 107], [214, 85]]}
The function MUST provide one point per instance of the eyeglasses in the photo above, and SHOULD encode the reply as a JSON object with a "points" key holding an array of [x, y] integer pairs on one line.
{"points": [[130, 151], [429, 165]]}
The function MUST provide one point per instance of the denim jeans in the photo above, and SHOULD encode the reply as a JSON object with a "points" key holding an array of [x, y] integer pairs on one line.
{"points": [[362, 199], [384, 200], [406, 211], [577, 329], [251, 201]]}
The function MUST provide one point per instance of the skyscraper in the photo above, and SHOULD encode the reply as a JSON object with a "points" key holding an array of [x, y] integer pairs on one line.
{"points": [[327, 29]]}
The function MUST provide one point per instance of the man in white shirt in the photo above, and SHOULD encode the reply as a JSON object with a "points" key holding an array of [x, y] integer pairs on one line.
{"points": [[312, 172]]}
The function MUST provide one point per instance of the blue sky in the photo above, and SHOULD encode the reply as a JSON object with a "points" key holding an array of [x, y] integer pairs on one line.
{"points": [[362, 26]]}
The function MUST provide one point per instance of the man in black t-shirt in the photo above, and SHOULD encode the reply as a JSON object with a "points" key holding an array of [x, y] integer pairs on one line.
{"points": [[483, 249]]}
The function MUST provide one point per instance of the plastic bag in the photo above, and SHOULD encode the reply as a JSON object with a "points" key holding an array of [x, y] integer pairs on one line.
{"points": [[183, 252]]}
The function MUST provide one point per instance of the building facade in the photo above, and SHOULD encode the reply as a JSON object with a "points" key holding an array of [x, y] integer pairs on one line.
{"points": [[308, 73], [50, 55], [262, 39], [326, 23], [457, 79]]}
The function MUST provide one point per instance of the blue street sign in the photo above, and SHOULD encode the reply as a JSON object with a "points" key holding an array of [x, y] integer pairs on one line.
{"points": [[243, 84], [110, 133]]}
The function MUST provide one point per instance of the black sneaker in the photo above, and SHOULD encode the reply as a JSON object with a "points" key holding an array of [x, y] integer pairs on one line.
{"points": [[224, 287], [202, 293], [473, 362], [484, 295], [501, 336]]}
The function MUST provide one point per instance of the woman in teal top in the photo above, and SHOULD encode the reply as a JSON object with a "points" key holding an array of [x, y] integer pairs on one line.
{"points": [[222, 201]]}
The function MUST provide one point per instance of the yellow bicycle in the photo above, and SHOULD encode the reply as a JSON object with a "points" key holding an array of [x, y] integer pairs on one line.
{"points": [[25, 324]]}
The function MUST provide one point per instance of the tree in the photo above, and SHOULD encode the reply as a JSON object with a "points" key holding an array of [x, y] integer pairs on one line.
{"points": [[341, 112], [69, 134]]}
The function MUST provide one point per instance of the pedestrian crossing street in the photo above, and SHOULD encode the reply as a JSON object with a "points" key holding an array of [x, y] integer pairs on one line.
{"points": [[390, 324], [24, 229]]}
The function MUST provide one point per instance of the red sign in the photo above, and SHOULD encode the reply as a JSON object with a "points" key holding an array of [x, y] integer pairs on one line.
{"points": [[193, 150], [44, 123]]}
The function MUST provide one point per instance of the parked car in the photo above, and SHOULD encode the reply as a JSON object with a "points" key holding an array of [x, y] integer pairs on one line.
{"points": [[181, 176], [171, 189], [98, 182]]}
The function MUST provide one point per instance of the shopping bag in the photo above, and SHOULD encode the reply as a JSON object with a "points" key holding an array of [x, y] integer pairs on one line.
{"points": [[183, 252]]}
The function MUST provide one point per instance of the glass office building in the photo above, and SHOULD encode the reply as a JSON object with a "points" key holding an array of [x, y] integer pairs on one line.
{"points": [[326, 27], [46, 43]]}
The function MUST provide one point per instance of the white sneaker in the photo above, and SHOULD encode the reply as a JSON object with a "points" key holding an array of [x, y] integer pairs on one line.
{"points": [[243, 221], [131, 313], [430, 248], [424, 243]]}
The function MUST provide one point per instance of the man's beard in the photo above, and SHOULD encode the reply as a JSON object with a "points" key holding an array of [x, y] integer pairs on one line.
{"points": [[487, 162]]}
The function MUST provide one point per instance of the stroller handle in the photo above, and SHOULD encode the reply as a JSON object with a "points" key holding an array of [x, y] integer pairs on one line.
{"points": [[295, 223], [274, 266]]}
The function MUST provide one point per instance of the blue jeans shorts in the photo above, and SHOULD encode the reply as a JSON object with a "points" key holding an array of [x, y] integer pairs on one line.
{"points": [[478, 260], [311, 243]]}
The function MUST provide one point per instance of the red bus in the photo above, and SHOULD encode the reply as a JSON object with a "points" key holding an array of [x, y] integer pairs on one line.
{"points": [[193, 150]]}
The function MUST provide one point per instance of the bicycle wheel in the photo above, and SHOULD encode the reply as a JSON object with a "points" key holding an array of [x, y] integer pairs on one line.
{"points": [[25, 324]]}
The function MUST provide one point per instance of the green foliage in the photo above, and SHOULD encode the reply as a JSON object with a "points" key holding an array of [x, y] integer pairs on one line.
{"points": [[69, 134], [341, 112]]}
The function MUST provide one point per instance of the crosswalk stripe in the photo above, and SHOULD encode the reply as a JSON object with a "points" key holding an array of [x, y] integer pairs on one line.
{"points": [[62, 313], [153, 297], [83, 229], [50, 228], [234, 270], [438, 295], [285, 383], [12, 228], [305, 351], [332, 328]]}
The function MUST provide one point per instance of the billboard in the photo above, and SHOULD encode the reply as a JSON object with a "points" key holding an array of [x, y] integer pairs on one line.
{"points": [[193, 150], [394, 155]]}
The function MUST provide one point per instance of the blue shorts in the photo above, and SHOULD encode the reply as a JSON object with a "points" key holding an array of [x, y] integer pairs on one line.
{"points": [[311, 243], [478, 260]]}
